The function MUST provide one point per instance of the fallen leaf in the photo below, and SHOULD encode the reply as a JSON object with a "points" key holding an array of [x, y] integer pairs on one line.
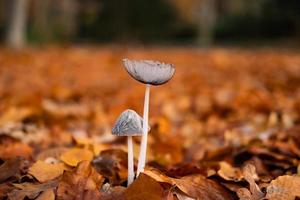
{"points": [[158, 176], [81, 139], [232, 186], [278, 157], [65, 109], [112, 164], [195, 186], [229, 173], [97, 148], [82, 183], [244, 194], [199, 187], [54, 152], [112, 193], [47, 195], [201, 118], [30, 190], [144, 188], [15, 114], [284, 188], [250, 176], [179, 195], [44, 172], [10, 168], [4, 190], [27, 133], [10, 148], [73, 156], [186, 169]]}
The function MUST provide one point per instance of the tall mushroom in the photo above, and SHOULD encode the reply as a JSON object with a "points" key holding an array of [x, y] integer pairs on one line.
{"points": [[150, 73], [129, 124]]}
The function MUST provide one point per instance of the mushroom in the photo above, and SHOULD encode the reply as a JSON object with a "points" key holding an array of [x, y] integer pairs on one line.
{"points": [[150, 73], [129, 124]]}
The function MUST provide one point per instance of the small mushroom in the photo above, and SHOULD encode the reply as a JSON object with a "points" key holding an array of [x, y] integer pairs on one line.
{"points": [[129, 124], [150, 73]]}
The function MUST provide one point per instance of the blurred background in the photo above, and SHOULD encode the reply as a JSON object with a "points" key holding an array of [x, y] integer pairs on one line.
{"points": [[187, 22]]}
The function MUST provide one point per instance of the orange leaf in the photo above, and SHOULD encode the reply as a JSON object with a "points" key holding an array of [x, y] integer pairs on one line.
{"points": [[229, 173], [76, 155], [144, 188], [15, 149], [44, 172], [82, 183]]}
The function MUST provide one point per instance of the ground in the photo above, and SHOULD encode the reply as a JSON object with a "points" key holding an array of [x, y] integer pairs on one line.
{"points": [[225, 127]]}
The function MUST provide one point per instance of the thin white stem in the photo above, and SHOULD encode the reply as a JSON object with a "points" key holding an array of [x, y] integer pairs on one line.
{"points": [[143, 147], [130, 161]]}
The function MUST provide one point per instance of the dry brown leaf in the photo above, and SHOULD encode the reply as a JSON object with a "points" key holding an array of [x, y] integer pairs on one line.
{"points": [[73, 156], [277, 156], [47, 195], [250, 176], [112, 193], [112, 164], [190, 114], [230, 173], [284, 188], [144, 188], [176, 194], [83, 183], [54, 152], [30, 190], [4, 190], [158, 176], [44, 172], [244, 194], [10, 168], [197, 186]]}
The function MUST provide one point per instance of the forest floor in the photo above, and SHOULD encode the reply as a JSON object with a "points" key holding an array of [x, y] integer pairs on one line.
{"points": [[227, 126]]}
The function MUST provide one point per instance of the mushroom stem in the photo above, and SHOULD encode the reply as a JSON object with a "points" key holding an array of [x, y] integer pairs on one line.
{"points": [[130, 161], [143, 147]]}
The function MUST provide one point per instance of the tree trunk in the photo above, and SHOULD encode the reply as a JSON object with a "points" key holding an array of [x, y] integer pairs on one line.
{"points": [[54, 19], [207, 15], [42, 26], [68, 17], [16, 33]]}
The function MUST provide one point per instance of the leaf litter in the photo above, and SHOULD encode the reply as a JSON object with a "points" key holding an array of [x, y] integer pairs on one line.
{"points": [[212, 137]]}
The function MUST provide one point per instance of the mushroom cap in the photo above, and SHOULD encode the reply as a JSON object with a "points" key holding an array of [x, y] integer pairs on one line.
{"points": [[149, 71], [129, 123]]}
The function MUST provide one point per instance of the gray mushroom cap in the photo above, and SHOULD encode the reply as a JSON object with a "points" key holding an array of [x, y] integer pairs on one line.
{"points": [[129, 123], [149, 71]]}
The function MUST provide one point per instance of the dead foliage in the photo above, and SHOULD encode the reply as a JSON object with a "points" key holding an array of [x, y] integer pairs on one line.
{"points": [[226, 127]]}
